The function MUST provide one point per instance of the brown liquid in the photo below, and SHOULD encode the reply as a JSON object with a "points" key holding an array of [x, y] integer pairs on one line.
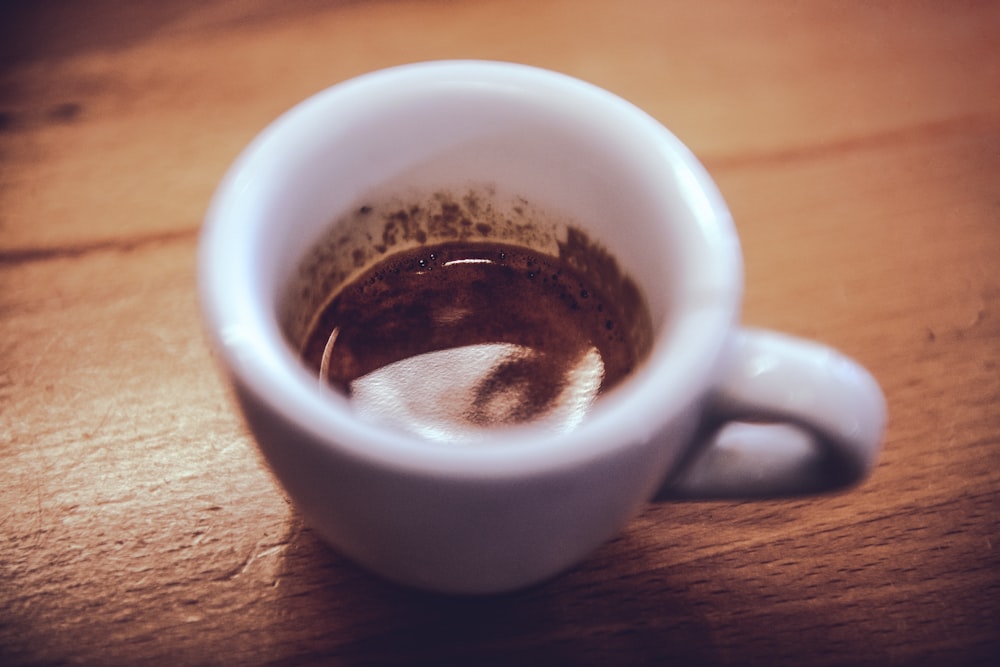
{"points": [[469, 335]]}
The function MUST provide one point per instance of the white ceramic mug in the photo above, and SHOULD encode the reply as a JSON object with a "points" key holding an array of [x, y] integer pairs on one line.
{"points": [[525, 504]]}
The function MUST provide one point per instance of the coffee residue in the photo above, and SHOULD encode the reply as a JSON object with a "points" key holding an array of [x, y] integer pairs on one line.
{"points": [[384, 225], [510, 284], [462, 334]]}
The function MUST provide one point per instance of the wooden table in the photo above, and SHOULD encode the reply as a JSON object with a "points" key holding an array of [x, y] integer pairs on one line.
{"points": [[859, 148]]}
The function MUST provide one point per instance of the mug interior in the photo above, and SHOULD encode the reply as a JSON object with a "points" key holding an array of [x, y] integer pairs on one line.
{"points": [[587, 158]]}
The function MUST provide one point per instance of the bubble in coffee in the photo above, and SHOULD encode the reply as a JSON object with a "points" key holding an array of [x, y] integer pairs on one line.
{"points": [[445, 339]]}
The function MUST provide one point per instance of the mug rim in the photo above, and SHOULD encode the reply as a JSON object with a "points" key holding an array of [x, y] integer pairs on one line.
{"points": [[256, 356]]}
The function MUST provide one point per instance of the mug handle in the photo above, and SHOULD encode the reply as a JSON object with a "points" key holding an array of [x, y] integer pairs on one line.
{"points": [[788, 416]]}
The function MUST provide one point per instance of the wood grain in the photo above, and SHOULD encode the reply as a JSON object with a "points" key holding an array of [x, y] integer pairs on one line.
{"points": [[858, 144]]}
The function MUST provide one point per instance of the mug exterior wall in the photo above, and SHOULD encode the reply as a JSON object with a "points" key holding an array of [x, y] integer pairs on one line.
{"points": [[522, 508], [456, 533]]}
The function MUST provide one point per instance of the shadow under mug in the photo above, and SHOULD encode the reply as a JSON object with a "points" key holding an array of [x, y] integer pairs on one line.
{"points": [[522, 504]]}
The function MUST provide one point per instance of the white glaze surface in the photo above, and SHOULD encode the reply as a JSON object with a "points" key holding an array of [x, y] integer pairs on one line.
{"points": [[525, 503]]}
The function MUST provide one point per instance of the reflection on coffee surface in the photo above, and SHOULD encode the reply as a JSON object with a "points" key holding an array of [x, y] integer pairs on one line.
{"points": [[445, 339]]}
